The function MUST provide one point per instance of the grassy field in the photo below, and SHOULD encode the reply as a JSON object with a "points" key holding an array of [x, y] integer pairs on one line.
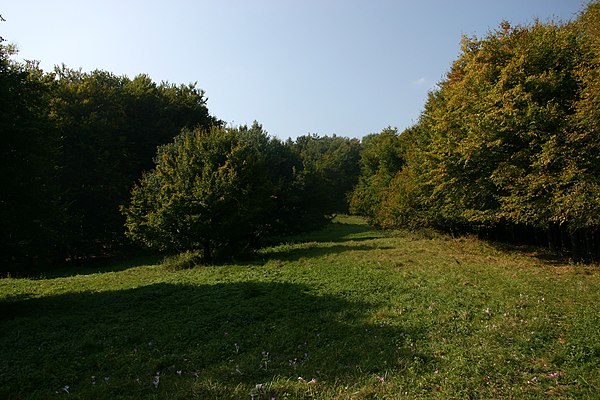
{"points": [[344, 313]]}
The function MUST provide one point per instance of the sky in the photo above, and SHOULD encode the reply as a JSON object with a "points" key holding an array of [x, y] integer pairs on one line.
{"points": [[344, 67]]}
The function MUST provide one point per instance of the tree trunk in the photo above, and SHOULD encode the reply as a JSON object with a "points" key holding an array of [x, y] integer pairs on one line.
{"points": [[207, 252], [576, 245]]}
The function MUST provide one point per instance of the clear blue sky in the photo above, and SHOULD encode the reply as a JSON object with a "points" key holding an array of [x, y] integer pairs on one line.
{"points": [[344, 67]]}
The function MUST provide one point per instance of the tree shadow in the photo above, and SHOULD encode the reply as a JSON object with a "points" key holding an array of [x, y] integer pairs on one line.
{"points": [[295, 254], [339, 232], [88, 266], [205, 341], [334, 232], [544, 255]]}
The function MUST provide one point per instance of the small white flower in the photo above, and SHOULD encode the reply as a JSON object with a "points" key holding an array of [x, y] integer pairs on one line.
{"points": [[66, 389], [533, 380]]}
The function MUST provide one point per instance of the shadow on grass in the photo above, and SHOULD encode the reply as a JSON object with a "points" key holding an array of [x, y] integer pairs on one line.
{"points": [[91, 266], [295, 254], [543, 254], [335, 232], [207, 341], [339, 232]]}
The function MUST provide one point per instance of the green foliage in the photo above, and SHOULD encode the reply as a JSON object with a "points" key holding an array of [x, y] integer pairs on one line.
{"points": [[110, 127], [500, 112], [577, 201], [181, 261], [230, 189], [508, 142], [382, 156], [329, 171], [210, 189], [74, 143], [30, 202]]}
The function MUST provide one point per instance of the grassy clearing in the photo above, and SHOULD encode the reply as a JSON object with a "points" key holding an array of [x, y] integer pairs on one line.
{"points": [[344, 313]]}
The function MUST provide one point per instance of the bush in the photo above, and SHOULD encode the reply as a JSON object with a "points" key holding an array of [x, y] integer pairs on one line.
{"points": [[209, 189], [185, 260]]}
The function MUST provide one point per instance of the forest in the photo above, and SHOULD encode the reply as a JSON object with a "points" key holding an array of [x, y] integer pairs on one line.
{"points": [[507, 147]]}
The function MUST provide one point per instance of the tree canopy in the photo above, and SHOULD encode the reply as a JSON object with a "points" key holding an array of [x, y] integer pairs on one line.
{"points": [[74, 143], [227, 189], [507, 144]]}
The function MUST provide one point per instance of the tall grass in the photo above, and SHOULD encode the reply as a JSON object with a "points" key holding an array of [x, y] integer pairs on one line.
{"points": [[343, 313]]}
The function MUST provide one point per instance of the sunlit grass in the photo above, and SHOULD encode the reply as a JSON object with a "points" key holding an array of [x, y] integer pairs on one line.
{"points": [[344, 313]]}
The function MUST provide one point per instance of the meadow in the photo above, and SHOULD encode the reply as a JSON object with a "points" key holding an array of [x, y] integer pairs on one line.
{"points": [[347, 312]]}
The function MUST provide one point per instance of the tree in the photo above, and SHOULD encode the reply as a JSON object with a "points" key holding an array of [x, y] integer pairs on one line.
{"points": [[496, 126], [210, 190], [382, 156], [507, 144], [30, 204], [576, 202], [329, 171], [110, 127]]}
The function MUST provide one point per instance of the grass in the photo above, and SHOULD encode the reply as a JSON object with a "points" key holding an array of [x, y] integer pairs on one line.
{"points": [[343, 313]]}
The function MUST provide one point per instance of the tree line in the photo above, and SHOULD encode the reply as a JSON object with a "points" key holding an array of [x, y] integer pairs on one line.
{"points": [[507, 147], [231, 189], [73, 144], [76, 143]]}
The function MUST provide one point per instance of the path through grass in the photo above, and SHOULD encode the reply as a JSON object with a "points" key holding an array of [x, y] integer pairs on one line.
{"points": [[344, 313]]}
